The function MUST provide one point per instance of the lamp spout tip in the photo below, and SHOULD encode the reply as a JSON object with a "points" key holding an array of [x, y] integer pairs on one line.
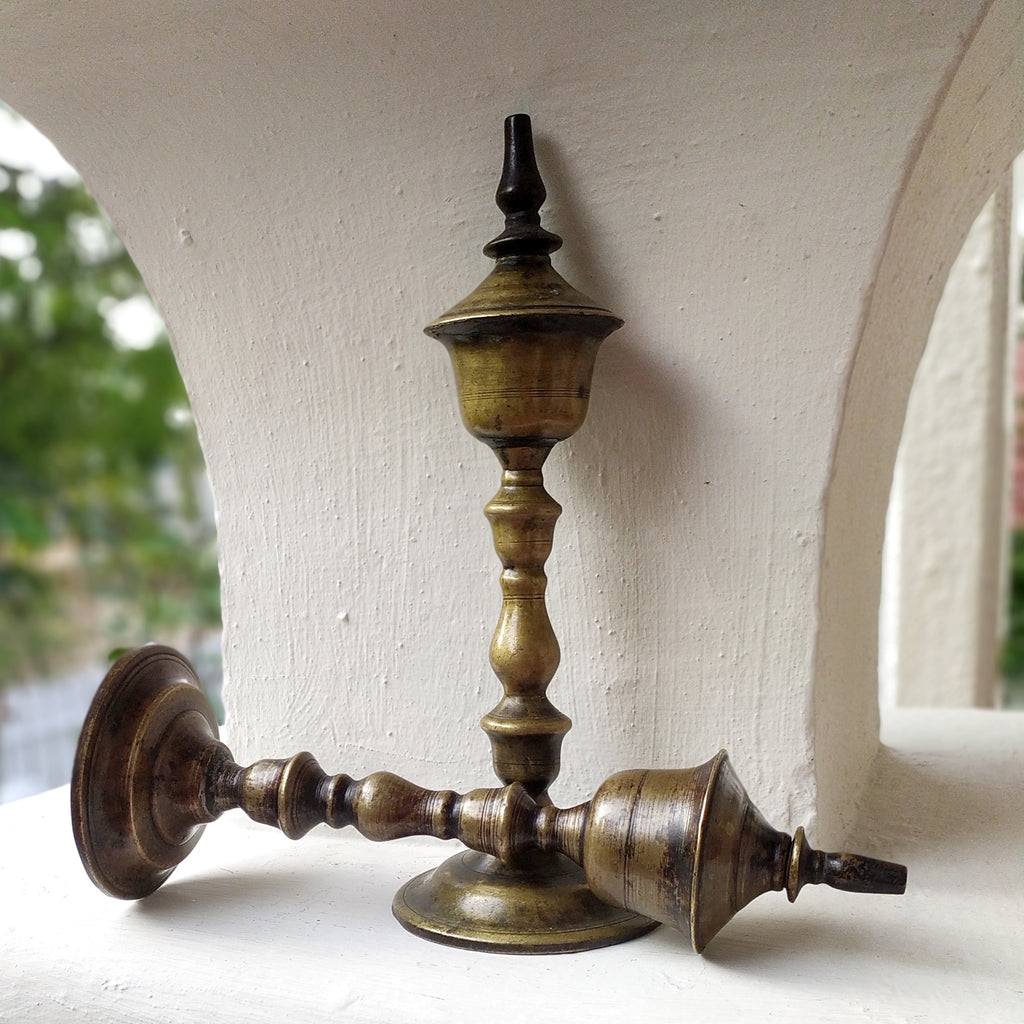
{"points": [[848, 872]]}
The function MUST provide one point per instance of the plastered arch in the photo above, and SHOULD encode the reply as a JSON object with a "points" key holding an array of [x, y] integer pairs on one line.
{"points": [[976, 131], [302, 191]]}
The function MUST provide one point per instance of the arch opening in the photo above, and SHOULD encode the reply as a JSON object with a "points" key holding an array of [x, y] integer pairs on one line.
{"points": [[107, 535], [974, 134], [950, 520]]}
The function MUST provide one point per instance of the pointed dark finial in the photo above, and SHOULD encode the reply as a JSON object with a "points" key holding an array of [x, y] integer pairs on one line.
{"points": [[850, 872], [521, 191], [520, 195]]}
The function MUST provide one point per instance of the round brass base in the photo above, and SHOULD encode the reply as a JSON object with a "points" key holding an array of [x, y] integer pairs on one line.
{"points": [[474, 901], [145, 727]]}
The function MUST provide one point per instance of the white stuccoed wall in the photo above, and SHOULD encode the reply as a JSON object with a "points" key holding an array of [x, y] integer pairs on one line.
{"points": [[304, 185]]}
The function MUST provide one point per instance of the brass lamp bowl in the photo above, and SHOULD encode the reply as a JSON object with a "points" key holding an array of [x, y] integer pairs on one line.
{"points": [[523, 348], [692, 850], [524, 341]]}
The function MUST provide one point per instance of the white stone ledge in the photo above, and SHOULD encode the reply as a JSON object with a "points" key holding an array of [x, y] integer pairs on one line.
{"points": [[254, 928]]}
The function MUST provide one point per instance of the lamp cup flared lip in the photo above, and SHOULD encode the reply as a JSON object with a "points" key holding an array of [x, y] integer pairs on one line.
{"points": [[698, 940]]}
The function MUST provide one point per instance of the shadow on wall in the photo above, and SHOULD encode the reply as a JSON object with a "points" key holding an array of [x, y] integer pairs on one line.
{"points": [[641, 505]]}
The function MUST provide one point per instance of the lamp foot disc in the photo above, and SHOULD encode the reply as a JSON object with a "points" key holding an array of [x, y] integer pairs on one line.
{"points": [[474, 901], [148, 715]]}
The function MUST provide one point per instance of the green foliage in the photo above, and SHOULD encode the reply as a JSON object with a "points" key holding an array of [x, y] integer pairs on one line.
{"points": [[1013, 647], [100, 468]]}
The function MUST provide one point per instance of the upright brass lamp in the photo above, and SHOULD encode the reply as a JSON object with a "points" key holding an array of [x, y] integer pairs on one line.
{"points": [[687, 847]]}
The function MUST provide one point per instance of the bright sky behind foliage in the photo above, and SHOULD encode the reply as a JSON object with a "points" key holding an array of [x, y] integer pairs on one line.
{"points": [[23, 147], [134, 323]]}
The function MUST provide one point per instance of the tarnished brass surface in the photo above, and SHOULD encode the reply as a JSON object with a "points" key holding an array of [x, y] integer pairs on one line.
{"points": [[542, 905], [686, 847], [683, 847], [138, 772], [522, 346], [698, 851]]}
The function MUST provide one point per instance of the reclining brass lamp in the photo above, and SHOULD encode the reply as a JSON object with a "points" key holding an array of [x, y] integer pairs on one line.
{"points": [[687, 847]]}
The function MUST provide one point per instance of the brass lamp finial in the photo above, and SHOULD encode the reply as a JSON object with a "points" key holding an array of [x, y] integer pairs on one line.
{"points": [[520, 195], [525, 296]]}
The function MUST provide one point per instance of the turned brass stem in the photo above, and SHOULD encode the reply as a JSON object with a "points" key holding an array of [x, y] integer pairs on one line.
{"points": [[295, 794], [525, 728], [507, 823]]}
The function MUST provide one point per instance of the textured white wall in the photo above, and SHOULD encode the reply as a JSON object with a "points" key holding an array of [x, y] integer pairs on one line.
{"points": [[304, 186]]}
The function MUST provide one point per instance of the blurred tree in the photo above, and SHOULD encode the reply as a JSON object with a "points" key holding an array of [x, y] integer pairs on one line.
{"points": [[101, 474], [1013, 647]]}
